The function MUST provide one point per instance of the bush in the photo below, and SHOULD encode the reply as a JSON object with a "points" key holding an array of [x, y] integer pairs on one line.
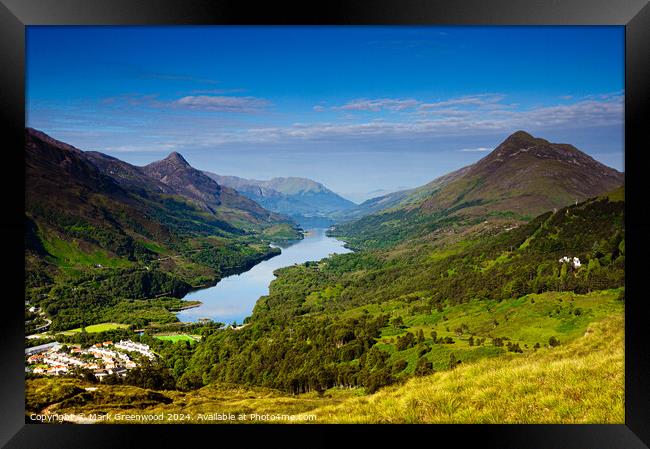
{"points": [[399, 366], [423, 367]]}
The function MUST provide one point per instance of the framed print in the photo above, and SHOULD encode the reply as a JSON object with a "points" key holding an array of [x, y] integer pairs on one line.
{"points": [[395, 216]]}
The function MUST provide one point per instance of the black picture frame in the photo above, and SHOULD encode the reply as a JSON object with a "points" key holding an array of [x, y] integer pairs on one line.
{"points": [[633, 14]]}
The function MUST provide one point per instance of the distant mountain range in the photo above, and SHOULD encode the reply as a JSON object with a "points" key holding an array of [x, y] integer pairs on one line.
{"points": [[523, 177], [307, 202]]}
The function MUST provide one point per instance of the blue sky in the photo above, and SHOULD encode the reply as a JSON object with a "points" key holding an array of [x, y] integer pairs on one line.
{"points": [[365, 110]]}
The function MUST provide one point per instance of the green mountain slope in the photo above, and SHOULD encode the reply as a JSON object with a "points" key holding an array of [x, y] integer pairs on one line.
{"points": [[366, 318], [93, 239], [523, 177]]}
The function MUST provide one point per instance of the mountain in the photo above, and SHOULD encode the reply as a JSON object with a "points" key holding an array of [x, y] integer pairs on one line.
{"points": [[523, 177], [174, 175], [175, 172], [528, 176], [148, 230], [66, 194], [393, 199], [307, 202]]}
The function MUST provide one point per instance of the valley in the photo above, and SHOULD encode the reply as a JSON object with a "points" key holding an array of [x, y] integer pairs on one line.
{"points": [[504, 275], [234, 297]]}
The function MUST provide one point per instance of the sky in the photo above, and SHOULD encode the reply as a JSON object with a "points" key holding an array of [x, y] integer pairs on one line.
{"points": [[365, 110]]}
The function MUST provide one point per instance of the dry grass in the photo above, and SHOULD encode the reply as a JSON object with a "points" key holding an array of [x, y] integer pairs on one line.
{"points": [[582, 382]]}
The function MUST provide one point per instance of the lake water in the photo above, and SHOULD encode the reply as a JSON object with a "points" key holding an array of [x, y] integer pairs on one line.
{"points": [[234, 297]]}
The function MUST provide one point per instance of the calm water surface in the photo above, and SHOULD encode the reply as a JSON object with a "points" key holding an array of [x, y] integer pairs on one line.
{"points": [[234, 297]]}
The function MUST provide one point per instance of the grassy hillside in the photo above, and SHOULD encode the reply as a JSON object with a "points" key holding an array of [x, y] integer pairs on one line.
{"points": [[528, 322], [580, 382]]}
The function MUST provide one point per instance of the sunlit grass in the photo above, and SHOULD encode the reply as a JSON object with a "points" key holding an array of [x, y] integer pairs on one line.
{"points": [[102, 327], [581, 382], [179, 337]]}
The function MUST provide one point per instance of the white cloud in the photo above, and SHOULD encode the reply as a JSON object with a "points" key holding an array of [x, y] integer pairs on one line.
{"points": [[472, 150], [471, 115], [466, 100], [222, 103], [487, 100], [376, 105], [454, 122]]}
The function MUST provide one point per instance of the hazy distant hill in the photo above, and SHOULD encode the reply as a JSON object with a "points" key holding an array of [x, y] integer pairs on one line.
{"points": [[523, 177], [307, 202]]}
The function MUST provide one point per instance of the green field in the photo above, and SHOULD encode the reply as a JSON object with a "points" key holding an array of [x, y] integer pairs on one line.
{"points": [[102, 327], [528, 320], [179, 337]]}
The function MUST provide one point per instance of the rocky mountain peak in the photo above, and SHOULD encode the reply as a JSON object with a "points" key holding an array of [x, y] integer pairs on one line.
{"points": [[176, 159]]}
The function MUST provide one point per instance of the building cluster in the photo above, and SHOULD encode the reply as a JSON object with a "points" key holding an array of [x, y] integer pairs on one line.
{"points": [[129, 345], [574, 262], [102, 358]]}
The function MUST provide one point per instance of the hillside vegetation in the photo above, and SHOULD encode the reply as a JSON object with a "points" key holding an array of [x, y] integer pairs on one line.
{"points": [[368, 318], [580, 382]]}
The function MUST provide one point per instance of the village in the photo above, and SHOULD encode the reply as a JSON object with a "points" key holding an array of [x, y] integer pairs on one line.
{"points": [[102, 359]]}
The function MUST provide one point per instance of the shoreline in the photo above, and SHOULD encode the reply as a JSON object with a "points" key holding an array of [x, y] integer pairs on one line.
{"points": [[190, 306], [309, 232]]}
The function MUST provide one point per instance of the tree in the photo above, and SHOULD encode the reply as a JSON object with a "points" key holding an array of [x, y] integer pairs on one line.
{"points": [[453, 361], [399, 366], [423, 367], [593, 264], [553, 342], [397, 322], [405, 342], [563, 276], [434, 336], [420, 336], [471, 340]]}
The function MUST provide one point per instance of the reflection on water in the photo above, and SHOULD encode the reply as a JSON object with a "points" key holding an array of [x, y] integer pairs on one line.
{"points": [[234, 297]]}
